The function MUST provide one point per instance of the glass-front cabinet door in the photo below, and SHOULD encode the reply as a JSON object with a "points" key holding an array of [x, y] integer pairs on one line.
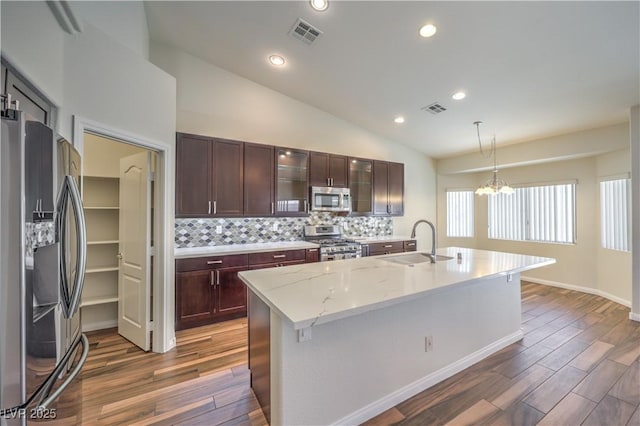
{"points": [[360, 184], [292, 188]]}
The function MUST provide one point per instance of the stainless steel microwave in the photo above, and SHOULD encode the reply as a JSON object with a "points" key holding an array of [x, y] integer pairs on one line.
{"points": [[329, 199]]}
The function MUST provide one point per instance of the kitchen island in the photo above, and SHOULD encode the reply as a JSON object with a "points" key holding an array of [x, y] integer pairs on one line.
{"points": [[339, 342]]}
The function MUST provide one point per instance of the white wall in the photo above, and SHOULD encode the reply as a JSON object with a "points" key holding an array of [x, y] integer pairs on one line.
{"points": [[585, 264], [34, 43], [214, 102], [123, 21], [634, 136]]}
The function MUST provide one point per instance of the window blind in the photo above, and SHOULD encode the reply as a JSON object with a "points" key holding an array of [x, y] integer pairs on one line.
{"points": [[615, 214], [544, 213], [460, 214]]}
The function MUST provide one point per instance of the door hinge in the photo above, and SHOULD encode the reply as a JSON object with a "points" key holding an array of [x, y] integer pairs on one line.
{"points": [[152, 176], [151, 326], [152, 251]]}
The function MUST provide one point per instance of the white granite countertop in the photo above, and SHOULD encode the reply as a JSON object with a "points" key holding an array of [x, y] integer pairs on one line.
{"points": [[184, 253], [317, 293], [382, 239]]}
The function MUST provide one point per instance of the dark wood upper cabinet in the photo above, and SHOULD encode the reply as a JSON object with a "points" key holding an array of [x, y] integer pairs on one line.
{"points": [[227, 176], [361, 186], [396, 189], [193, 171], [209, 177], [388, 188], [380, 188], [328, 170], [258, 180], [292, 182]]}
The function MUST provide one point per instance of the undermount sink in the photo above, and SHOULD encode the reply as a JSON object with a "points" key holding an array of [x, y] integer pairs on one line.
{"points": [[413, 258]]}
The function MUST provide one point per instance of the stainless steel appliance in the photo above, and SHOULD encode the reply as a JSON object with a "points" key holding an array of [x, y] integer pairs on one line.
{"points": [[332, 245], [43, 242], [329, 199]]}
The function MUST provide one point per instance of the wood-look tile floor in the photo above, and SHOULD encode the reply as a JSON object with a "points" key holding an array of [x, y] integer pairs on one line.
{"points": [[203, 381], [579, 363]]}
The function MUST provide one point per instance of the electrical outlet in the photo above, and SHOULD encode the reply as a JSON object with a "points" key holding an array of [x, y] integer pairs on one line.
{"points": [[219, 229], [428, 343], [274, 227]]}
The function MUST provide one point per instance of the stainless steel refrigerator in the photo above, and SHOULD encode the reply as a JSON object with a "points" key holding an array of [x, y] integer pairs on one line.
{"points": [[43, 259]]}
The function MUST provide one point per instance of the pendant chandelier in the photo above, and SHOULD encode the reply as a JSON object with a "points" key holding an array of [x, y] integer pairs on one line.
{"points": [[494, 185]]}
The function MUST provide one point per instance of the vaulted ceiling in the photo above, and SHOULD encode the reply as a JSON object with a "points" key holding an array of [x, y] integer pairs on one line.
{"points": [[529, 69]]}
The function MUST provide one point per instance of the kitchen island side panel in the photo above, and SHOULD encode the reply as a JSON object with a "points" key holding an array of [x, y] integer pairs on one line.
{"points": [[355, 368]]}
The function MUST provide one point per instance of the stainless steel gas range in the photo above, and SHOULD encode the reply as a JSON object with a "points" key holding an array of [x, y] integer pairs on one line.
{"points": [[332, 245]]}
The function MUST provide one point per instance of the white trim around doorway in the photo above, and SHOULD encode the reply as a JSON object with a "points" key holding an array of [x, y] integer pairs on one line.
{"points": [[163, 270]]}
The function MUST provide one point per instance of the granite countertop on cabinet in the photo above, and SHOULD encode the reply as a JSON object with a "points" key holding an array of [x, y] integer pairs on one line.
{"points": [[381, 239], [189, 252]]}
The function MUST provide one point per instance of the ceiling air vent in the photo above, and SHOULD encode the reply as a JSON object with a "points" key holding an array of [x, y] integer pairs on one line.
{"points": [[434, 108], [304, 31]]}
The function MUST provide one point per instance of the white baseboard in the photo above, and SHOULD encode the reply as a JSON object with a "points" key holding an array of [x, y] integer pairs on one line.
{"points": [[588, 290], [371, 410], [634, 317], [99, 325]]}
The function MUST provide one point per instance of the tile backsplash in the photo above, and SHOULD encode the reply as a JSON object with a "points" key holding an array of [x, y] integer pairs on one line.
{"points": [[246, 230]]}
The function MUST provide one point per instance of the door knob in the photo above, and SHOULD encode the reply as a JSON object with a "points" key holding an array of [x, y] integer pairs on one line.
{"points": [[119, 256]]}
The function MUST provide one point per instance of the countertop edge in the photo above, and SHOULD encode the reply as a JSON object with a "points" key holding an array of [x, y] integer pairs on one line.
{"points": [[191, 252]]}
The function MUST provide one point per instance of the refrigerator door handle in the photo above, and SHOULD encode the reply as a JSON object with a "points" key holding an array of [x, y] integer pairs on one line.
{"points": [[69, 191], [81, 244], [61, 214], [72, 374]]}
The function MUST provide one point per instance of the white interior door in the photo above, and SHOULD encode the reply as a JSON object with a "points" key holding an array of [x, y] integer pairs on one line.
{"points": [[135, 239]]}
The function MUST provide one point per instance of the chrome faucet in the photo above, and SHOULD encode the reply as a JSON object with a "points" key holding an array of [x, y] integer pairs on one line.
{"points": [[433, 237]]}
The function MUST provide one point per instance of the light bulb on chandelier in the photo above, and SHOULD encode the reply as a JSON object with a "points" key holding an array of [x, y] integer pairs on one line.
{"points": [[494, 185]]}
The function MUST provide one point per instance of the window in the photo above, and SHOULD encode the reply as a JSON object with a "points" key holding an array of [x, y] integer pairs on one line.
{"points": [[460, 214], [544, 213], [615, 214]]}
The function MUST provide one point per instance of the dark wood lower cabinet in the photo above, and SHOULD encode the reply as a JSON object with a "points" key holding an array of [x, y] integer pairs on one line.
{"points": [[194, 298], [232, 292], [209, 290], [205, 296]]}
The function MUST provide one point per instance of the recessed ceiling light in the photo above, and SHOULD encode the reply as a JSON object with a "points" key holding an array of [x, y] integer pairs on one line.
{"points": [[398, 120], [428, 30], [459, 96], [276, 60], [319, 5]]}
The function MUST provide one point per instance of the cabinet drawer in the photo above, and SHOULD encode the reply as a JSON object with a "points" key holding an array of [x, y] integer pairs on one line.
{"points": [[211, 262], [276, 256], [410, 245], [386, 248]]}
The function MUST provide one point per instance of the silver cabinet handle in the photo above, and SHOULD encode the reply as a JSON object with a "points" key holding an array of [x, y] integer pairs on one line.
{"points": [[328, 181], [411, 244], [217, 277], [306, 207], [214, 262], [388, 246], [272, 208], [312, 249], [331, 181], [209, 209], [279, 256], [212, 280]]}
